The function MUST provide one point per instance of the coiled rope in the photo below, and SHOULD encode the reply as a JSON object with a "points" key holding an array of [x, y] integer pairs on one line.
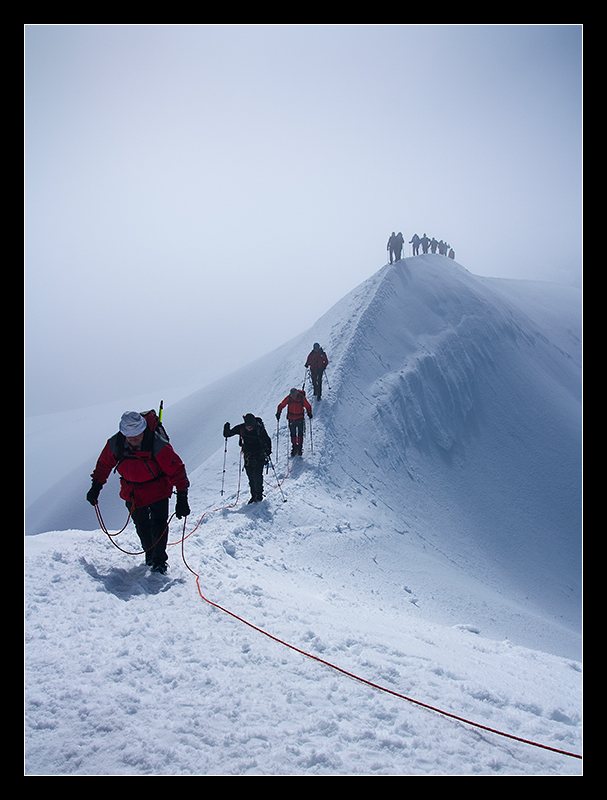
{"points": [[111, 536]]}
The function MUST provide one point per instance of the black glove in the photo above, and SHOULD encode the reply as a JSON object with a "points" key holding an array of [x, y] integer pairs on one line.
{"points": [[310, 414], [93, 493], [182, 508], [278, 415], [226, 430]]}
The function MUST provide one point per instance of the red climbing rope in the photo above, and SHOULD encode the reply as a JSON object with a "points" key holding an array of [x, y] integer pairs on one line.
{"points": [[321, 660], [357, 677]]}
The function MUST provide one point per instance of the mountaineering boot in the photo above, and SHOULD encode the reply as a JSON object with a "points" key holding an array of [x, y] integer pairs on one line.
{"points": [[160, 569]]}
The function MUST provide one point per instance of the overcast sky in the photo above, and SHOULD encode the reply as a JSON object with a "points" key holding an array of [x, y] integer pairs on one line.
{"points": [[196, 195]]}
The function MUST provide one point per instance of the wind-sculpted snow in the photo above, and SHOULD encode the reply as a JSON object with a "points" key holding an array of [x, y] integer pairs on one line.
{"points": [[432, 397], [450, 396], [425, 341]]}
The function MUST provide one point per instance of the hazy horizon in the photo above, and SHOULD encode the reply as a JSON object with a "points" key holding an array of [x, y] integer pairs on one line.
{"points": [[195, 195]]}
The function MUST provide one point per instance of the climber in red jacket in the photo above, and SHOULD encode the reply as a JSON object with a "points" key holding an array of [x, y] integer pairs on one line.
{"points": [[297, 403], [317, 361], [149, 468]]}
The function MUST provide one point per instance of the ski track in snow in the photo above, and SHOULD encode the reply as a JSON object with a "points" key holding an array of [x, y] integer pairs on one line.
{"points": [[128, 673]]}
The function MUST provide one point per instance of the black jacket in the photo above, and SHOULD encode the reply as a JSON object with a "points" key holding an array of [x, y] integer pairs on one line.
{"points": [[255, 443]]}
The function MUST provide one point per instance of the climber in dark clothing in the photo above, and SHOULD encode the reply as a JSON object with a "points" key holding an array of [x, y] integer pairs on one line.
{"points": [[395, 246], [256, 447]]}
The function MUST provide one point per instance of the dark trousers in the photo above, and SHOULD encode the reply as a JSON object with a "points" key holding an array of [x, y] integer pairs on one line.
{"points": [[254, 468], [152, 527], [317, 382], [296, 426]]}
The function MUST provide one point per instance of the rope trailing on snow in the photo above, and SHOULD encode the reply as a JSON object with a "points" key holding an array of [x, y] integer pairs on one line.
{"points": [[317, 658], [364, 680]]}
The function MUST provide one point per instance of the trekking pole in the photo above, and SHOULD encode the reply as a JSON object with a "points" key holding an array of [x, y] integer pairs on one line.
{"points": [[225, 455], [160, 410], [277, 430], [311, 439], [284, 499]]}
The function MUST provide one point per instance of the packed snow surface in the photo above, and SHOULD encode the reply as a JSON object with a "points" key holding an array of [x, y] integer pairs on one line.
{"points": [[427, 548]]}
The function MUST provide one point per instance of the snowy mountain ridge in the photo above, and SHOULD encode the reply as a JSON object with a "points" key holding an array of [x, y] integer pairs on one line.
{"points": [[436, 514]]}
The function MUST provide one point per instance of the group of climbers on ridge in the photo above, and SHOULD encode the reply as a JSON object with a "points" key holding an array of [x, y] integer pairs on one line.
{"points": [[396, 242], [254, 440], [150, 469]]}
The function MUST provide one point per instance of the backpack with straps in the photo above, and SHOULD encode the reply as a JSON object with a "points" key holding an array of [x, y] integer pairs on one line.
{"points": [[154, 425]]}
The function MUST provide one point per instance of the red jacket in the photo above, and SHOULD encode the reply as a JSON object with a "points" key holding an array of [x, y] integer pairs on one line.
{"points": [[147, 474], [296, 405], [317, 359]]}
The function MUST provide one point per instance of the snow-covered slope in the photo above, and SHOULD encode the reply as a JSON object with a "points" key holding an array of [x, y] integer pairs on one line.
{"points": [[435, 516]]}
